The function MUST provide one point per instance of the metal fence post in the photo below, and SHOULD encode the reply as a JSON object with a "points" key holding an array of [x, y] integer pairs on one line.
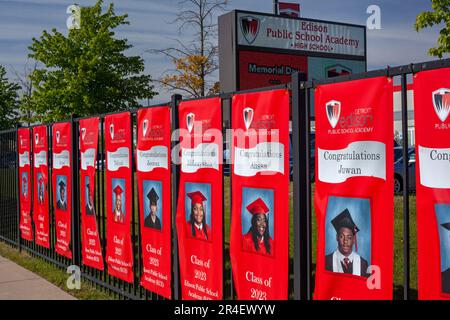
{"points": [[300, 143], [175, 99], [406, 247], [75, 195], [19, 244]]}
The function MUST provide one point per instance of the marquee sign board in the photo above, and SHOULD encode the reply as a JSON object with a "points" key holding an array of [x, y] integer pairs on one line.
{"points": [[259, 49]]}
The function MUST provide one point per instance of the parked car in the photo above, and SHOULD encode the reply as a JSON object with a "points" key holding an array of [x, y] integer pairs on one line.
{"points": [[398, 172]]}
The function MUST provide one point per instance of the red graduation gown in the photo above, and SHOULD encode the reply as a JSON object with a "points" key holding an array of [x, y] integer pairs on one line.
{"points": [[248, 245], [199, 234]]}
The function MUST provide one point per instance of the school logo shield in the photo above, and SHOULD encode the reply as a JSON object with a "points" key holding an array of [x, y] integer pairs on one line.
{"points": [[57, 136], [36, 138], [248, 117], [111, 131], [441, 103], [83, 133], [144, 127], [250, 28], [333, 109], [190, 121]]}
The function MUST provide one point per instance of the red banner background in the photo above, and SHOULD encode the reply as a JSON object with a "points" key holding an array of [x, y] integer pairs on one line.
{"points": [[432, 133], [258, 118], [90, 239], [119, 253], [25, 183], [200, 256], [153, 173], [365, 118], [41, 179], [62, 186]]}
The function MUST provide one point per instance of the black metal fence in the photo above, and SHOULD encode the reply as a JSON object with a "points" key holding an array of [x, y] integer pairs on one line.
{"points": [[301, 265]]}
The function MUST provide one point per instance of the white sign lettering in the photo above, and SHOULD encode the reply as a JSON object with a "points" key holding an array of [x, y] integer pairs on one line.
{"points": [[61, 160], [359, 159], [265, 156], [24, 159], [88, 158], [118, 159], [40, 159], [204, 156], [434, 167], [156, 157]]}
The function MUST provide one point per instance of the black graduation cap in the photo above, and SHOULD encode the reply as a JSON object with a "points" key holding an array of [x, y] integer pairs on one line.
{"points": [[153, 197], [344, 220], [62, 184], [446, 225]]}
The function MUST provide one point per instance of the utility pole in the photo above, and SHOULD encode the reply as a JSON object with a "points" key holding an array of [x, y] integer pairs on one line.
{"points": [[275, 6]]}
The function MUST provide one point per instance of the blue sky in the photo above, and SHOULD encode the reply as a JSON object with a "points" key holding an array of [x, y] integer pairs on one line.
{"points": [[150, 27]]}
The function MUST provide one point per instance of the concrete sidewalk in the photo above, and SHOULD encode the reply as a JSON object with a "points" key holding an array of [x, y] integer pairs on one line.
{"points": [[17, 283]]}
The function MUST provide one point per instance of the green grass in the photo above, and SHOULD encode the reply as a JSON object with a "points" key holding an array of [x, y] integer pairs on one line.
{"points": [[52, 274], [58, 277], [398, 239]]}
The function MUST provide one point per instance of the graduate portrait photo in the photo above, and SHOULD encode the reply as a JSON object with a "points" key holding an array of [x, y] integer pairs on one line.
{"points": [[118, 200], [61, 192], [198, 210], [25, 184], [40, 186], [257, 218], [152, 196], [348, 236], [88, 197], [443, 220]]}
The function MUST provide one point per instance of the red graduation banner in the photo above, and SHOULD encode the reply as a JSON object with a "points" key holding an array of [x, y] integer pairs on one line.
{"points": [[25, 183], [90, 239], [200, 205], [432, 127], [62, 188], [354, 201], [119, 252], [153, 174], [40, 179], [259, 239]]}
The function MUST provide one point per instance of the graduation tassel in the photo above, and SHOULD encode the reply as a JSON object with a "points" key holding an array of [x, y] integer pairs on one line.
{"points": [[355, 230]]}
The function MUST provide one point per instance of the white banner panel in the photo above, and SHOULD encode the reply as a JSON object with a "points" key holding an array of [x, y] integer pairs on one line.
{"points": [[24, 159], [156, 157], [265, 156], [204, 156], [359, 159], [434, 166], [61, 160], [40, 159], [118, 159], [87, 158]]}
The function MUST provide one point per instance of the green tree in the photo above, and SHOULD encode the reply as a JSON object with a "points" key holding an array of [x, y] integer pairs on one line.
{"points": [[439, 15], [87, 71], [8, 101]]}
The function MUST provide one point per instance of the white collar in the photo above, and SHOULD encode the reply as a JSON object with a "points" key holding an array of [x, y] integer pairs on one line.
{"points": [[199, 226], [341, 257]]}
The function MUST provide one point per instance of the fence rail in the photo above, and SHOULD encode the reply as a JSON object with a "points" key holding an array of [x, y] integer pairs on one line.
{"points": [[301, 268]]}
